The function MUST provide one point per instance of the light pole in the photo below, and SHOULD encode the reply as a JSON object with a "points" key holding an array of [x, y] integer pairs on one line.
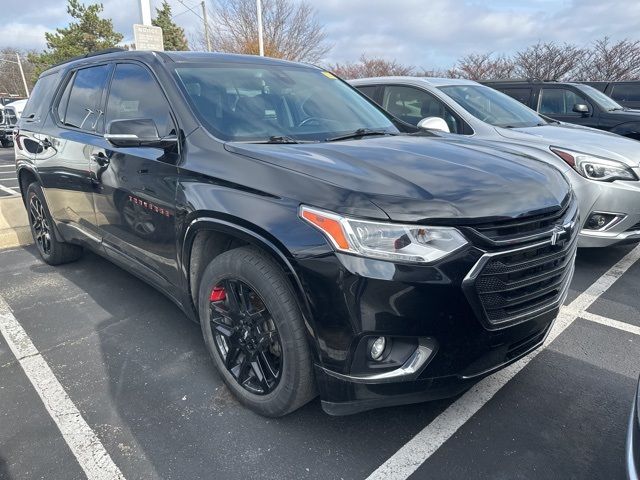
{"points": [[19, 63], [145, 12], [260, 39], [206, 26]]}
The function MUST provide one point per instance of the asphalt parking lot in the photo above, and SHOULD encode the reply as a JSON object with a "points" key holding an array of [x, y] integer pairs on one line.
{"points": [[8, 180], [137, 372]]}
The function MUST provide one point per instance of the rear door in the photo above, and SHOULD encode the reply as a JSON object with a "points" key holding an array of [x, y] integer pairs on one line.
{"points": [[135, 188], [558, 102], [68, 137]]}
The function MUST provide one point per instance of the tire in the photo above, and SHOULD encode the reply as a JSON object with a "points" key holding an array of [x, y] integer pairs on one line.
{"points": [[52, 251], [6, 143], [263, 284]]}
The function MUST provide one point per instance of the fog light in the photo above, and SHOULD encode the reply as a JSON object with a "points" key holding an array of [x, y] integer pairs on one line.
{"points": [[601, 221], [377, 348]]}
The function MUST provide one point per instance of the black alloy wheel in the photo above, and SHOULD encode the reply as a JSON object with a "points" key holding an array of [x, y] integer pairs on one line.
{"points": [[255, 333], [40, 225], [246, 336]]}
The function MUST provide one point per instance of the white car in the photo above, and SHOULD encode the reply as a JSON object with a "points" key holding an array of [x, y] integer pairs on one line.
{"points": [[603, 168], [9, 116]]}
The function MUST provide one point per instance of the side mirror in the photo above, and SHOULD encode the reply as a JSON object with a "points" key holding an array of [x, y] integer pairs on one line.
{"points": [[434, 123], [581, 108], [137, 132]]}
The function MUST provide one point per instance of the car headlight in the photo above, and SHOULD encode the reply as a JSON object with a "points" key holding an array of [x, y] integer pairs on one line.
{"points": [[596, 168], [385, 241]]}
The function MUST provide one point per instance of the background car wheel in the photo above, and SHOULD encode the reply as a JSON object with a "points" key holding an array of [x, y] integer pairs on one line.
{"points": [[51, 250], [6, 143], [253, 329]]}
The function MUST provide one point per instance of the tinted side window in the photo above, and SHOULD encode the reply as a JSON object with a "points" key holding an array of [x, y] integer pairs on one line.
{"points": [[64, 100], [523, 95], [559, 101], [84, 99], [368, 91], [412, 105], [135, 93], [36, 108], [626, 93]]}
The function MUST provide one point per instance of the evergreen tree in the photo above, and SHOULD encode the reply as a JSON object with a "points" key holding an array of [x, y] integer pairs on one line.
{"points": [[89, 33], [172, 34]]}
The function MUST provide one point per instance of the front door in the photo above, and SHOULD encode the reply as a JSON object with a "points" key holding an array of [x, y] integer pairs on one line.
{"points": [[134, 194], [559, 102]]}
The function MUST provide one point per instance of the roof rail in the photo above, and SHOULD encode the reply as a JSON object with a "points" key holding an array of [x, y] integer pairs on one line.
{"points": [[90, 54]]}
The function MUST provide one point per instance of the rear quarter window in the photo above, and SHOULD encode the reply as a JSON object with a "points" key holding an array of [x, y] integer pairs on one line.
{"points": [[35, 111]]}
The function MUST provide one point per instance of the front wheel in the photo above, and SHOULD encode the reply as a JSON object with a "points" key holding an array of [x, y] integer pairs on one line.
{"points": [[253, 329]]}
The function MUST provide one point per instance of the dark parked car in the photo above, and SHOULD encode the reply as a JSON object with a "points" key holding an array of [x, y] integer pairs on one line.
{"points": [[322, 247], [633, 440], [626, 93], [573, 103]]}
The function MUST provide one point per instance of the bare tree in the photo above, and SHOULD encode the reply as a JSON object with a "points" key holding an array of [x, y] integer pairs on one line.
{"points": [[484, 66], [10, 79], [439, 72], [611, 61], [371, 67], [548, 61], [291, 29]]}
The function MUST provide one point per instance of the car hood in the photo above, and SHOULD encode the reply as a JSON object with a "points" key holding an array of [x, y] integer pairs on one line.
{"points": [[412, 178], [579, 138]]}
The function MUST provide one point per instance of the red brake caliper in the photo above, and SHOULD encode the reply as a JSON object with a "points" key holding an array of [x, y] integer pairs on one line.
{"points": [[218, 294]]}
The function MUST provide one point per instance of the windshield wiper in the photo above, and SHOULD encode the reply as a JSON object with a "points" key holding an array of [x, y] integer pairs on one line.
{"points": [[281, 139], [615, 109], [361, 132]]}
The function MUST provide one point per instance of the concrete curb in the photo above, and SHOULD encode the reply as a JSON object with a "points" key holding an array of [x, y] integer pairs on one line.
{"points": [[14, 224]]}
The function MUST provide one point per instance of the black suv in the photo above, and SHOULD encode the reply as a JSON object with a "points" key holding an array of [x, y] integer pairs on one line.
{"points": [[573, 103], [322, 247], [626, 93]]}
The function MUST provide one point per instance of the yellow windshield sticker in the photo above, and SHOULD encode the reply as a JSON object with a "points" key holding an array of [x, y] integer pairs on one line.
{"points": [[329, 75]]}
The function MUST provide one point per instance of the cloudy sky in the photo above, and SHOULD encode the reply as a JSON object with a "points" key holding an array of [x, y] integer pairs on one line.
{"points": [[422, 33]]}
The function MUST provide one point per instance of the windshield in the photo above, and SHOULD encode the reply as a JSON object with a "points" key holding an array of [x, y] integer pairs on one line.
{"points": [[493, 107], [257, 103], [600, 98]]}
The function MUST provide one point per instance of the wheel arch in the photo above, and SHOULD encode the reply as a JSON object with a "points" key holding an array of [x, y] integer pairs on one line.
{"points": [[207, 236]]}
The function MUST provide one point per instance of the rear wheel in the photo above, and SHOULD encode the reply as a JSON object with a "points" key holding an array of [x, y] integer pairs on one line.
{"points": [[254, 332], [52, 251]]}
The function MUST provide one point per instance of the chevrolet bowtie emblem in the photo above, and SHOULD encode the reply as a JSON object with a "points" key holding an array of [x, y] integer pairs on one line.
{"points": [[557, 232]]}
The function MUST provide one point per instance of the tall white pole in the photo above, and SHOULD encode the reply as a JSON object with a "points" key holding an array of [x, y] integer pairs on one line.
{"points": [[260, 39], [206, 26], [24, 80], [145, 12]]}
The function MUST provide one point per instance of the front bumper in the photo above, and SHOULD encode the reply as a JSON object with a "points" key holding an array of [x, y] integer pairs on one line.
{"points": [[633, 441], [619, 197], [431, 304]]}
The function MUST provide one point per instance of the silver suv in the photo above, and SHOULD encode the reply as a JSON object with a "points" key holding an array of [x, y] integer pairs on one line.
{"points": [[603, 168]]}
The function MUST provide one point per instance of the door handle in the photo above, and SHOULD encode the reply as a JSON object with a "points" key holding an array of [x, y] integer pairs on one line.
{"points": [[100, 158]]}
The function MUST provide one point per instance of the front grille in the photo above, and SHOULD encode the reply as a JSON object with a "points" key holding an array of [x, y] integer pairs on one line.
{"points": [[521, 229], [517, 284]]}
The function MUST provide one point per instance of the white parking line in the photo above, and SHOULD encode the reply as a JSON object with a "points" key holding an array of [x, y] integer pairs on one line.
{"points": [[8, 190], [610, 322], [83, 442], [415, 452]]}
